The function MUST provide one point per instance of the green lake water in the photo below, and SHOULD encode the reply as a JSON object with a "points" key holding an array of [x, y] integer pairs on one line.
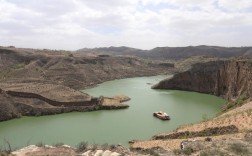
{"points": [[115, 126]]}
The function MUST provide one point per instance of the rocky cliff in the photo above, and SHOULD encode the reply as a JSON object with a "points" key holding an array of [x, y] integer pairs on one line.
{"points": [[229, 79], [7, 111]]}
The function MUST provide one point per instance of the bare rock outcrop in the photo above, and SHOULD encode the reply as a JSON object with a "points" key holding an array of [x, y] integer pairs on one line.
{"points": [[229, 79], [7, 111]]}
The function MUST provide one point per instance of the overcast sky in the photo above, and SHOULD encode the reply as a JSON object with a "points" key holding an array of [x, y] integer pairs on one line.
{"points": [[145, 24]]}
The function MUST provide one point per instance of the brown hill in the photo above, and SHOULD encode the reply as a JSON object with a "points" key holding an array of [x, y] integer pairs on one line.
{"points": [[173, 52], [71, 69]]}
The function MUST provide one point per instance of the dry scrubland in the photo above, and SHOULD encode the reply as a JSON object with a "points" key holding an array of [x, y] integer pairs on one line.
{"points": [[53, 76]]}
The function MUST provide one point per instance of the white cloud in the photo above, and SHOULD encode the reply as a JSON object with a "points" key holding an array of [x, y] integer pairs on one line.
{"points": [[235, 5], [65, 24]]}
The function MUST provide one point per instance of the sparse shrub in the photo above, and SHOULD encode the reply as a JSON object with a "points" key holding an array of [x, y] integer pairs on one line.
{"points": [[82, 146], [151, 152], [148, 151], [40, 144], [94, 147], [212, 153], [208, 139], [112, 146], [204, 117], [104, 146], [239, 102], [9, 149], [187, 151], [58, 144], [239, 148], [248, 137], [177, 151]]}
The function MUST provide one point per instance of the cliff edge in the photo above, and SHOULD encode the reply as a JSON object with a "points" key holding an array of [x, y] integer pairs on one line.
{"points": [[229, 79]]}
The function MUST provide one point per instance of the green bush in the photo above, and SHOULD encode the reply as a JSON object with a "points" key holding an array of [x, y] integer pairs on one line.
{"points": [[112, 146], [82, 146]]}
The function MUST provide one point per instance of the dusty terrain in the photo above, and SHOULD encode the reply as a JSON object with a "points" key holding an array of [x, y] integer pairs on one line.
{"points": [[23, 71], [44, 82]]}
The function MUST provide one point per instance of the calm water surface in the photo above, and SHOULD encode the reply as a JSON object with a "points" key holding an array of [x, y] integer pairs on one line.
{"points": [[119, 126]]}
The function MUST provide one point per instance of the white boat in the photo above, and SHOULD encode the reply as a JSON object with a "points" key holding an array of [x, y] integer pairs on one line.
{"points": [[161, 115]]}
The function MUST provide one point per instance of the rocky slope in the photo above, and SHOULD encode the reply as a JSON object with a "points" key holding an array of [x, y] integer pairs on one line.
{"points": [[230, 79], [173, 52], [7, 111], [73, 70]]}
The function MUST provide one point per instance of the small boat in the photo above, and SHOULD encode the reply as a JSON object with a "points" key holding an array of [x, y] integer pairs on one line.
{"points": [[161, 115]]}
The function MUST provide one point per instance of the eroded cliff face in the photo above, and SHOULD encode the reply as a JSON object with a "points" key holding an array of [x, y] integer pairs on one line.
{"points": [[229, 79], [7, 108]]}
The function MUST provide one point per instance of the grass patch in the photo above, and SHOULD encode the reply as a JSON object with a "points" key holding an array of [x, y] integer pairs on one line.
{"points": [[239, 148], [177, 151], [215, 152], [233, 104], [6, 72]]}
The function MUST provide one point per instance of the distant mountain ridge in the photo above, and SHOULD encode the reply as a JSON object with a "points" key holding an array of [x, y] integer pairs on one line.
{"points": [[173, 52]]}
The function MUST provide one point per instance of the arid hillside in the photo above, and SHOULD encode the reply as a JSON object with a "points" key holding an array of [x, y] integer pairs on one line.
{"points": [[71, 69], [44, 82], [162, 53]]}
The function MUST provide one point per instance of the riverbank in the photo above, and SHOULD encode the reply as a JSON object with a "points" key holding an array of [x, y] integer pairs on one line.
{"points": [[98, 127], [31, 74], [214, 136], [82, 148], [37, 99], [215, 78], [227, 134]]}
